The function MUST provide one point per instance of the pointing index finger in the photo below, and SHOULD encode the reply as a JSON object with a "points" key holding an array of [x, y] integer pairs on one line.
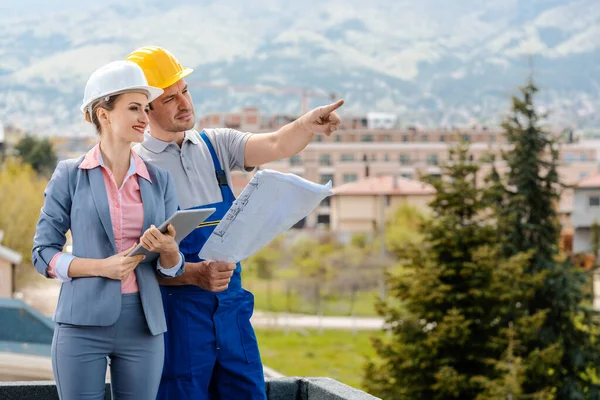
{"points": [[332, 107]]}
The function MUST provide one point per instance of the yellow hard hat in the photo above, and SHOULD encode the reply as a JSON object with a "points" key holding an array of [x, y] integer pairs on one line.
{"points": [[160, 66]]}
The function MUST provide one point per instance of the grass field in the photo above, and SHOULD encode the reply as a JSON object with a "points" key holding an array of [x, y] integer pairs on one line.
{"points": [[336, 354]]}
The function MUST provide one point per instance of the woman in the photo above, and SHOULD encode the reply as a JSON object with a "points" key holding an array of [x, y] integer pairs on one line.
{"points": [[109, 304]]}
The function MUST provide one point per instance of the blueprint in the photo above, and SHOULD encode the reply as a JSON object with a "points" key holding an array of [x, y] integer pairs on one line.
{"points": [[268, 206]]}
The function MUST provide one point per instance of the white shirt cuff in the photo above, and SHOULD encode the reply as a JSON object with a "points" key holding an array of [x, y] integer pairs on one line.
{"points": [[62, 267], [172, 272]]}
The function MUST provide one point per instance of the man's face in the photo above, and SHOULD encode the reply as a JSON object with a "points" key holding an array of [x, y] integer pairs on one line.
{"points": [[173, 111]]}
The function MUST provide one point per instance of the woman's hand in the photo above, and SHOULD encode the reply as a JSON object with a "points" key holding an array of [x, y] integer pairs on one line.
{"points": [[158, 242], [119, 266]]}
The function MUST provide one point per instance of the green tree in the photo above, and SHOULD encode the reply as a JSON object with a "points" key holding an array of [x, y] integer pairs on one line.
{"points": [[403, 227], [312, 258], [264, 262], [21, 198], [562, 356], [357, 268], [39, 153], [595, 239], [457, 298]]}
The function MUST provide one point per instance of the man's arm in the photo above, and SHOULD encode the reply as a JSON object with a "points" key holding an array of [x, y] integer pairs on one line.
{"points": [[213, 276], [293, 137]]}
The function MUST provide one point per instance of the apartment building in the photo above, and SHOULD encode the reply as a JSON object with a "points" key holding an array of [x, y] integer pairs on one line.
{"points": [[374, 145], [367, 146]]}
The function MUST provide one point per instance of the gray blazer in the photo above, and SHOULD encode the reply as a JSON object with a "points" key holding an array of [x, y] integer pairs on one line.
{"points": [[76, 199]]}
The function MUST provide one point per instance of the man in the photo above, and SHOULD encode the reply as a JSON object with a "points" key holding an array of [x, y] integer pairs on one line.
{"points": [[211, 349]]}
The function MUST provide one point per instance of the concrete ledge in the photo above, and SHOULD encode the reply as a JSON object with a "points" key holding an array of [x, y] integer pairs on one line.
{"points": [[293, 388], [34, 390], [330, 389]]}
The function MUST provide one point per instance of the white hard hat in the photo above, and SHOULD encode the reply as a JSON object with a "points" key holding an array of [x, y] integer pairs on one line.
{"points": [[114, 78]]}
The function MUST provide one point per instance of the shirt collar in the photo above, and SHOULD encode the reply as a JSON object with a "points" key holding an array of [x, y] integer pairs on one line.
{"points": [[93, 159], [158, 146]]}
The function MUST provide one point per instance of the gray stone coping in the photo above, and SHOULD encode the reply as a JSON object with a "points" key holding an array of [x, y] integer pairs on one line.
{"points": [[289, 388]]}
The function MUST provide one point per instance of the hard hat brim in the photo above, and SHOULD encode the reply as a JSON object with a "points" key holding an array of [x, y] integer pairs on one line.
{"points": [[151, 91], [177, 77]]}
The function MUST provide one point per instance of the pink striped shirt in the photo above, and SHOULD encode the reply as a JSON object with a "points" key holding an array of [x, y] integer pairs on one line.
{"points": [[126, 208]]}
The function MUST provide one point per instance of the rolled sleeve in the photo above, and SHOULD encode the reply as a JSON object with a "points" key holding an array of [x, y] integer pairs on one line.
{"points": [[173, 271], [62, 267], [54, 221]]}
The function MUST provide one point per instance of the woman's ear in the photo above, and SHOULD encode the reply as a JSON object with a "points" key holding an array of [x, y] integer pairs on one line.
{"points": [[102, 115]]}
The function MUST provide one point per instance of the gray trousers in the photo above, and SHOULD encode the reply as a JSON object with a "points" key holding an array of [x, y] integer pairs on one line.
{"points": [[80, 353]]}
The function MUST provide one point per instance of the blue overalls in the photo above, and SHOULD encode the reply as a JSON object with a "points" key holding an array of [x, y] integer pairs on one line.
{"points": [[211, 351]]}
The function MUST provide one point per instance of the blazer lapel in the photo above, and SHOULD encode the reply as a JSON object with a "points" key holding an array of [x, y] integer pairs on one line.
{"points": [[101, 200], [148, 201]]}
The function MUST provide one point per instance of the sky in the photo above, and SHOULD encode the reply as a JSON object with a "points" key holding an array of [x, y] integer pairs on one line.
{"points": [[15, 8]]}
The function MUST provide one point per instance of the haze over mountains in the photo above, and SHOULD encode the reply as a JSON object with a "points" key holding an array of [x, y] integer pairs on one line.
{"points": [[433, 62]]}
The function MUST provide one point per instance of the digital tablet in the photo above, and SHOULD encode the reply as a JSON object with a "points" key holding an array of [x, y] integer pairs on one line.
{"points": [[184, 222]]}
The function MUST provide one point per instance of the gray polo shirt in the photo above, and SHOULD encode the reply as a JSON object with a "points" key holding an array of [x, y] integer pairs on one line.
{"points": [[191, 165]]}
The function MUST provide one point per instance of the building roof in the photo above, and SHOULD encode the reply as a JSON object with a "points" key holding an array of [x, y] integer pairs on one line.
{"points": [[23, 324], [591, 182], [34, 349], [384, 185], [10, 255]]}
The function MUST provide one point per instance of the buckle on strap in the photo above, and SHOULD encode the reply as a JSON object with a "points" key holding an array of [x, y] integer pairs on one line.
{"points": [[221, 177]]}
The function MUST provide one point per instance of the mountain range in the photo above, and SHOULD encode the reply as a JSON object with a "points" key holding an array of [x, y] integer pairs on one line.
{"points": [[432, 62]]}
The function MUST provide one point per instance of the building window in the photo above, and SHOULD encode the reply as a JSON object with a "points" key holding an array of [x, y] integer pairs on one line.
{"points": [[326, 202], [404, 159], [492, 138], [569, 157], [405, 138], [582, 157], [386, 157], [347, 157], [319, 138], [583, 175], [387, 138], [338, 138], [295, 160], [406, 175], [323, 219], [425, 138], [326, 178], [325, 159], [350, 177], [442, 138], [466, 138], [366, 138], [373, 157], [432, 159], [594, 201]]}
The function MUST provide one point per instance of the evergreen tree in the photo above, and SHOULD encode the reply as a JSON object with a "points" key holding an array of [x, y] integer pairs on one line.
{"points": [[457, 297], [39, 153], [562, 356]]}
